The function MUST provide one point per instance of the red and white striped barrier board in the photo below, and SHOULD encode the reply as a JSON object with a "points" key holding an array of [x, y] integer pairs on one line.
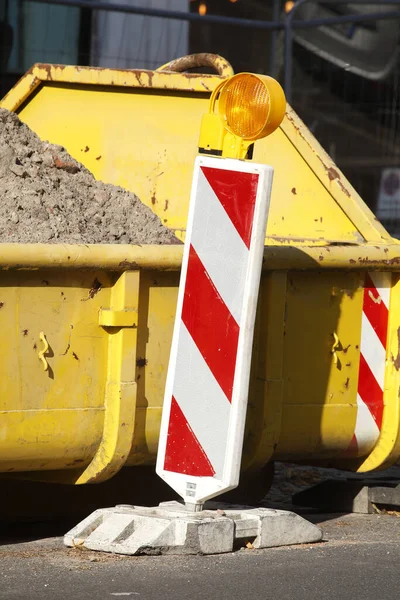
{"points": [[205, 400], [371, 378]]}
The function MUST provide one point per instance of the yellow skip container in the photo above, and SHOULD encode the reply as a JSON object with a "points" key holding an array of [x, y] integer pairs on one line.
{"points": [[86, 330]]}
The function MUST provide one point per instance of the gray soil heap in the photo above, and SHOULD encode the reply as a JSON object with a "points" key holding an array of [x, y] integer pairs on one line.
{"points": [[48, 197]]}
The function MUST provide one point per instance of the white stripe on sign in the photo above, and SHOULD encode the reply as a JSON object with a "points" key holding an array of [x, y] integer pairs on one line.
{"points": [[213, 234], [206, 398], [372, 350], [366, 431]]}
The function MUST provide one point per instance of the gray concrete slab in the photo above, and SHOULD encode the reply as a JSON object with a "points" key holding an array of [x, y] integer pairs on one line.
{"points": [[171, 529]]}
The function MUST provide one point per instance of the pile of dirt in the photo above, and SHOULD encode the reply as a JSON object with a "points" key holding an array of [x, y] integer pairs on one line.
{"points": [[48, 197]]}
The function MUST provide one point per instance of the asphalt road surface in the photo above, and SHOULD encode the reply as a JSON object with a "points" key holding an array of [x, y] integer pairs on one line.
{"points": [[358, 559]]}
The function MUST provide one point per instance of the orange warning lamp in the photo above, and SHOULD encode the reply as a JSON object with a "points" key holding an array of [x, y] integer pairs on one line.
{"points": [[251, 106], [244, 108]]}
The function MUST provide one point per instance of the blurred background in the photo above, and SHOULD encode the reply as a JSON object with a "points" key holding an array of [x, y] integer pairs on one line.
{"points": [[337, 60]]}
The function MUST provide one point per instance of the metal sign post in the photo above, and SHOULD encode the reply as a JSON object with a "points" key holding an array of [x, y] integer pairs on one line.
{"points": [[206, 393]]}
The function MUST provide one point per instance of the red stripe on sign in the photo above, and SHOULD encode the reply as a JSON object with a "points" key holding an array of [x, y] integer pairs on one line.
{"points": [[370, 391], [209, 322], [375, 310], [184, 453], [237, 193]]}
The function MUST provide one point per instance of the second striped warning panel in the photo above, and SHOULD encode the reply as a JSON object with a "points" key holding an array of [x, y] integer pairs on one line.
{"points": [[371, 377]]}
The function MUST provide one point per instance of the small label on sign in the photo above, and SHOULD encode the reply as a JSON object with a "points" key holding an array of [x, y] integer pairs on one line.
{"points": [[190, 489]]}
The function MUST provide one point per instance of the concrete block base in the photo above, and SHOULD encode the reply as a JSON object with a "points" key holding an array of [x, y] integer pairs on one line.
{"points": [[171, 529]]}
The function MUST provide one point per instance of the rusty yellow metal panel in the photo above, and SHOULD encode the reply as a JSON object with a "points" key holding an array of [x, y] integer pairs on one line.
{"points": [[140, 129], [98, 404], [157, 302], [321, 362], [302, 207], [51, 418], [65, 309], [78, 419]]}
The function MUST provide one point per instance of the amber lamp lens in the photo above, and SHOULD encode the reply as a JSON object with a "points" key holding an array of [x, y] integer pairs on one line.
{"points": [[244, 105]]}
